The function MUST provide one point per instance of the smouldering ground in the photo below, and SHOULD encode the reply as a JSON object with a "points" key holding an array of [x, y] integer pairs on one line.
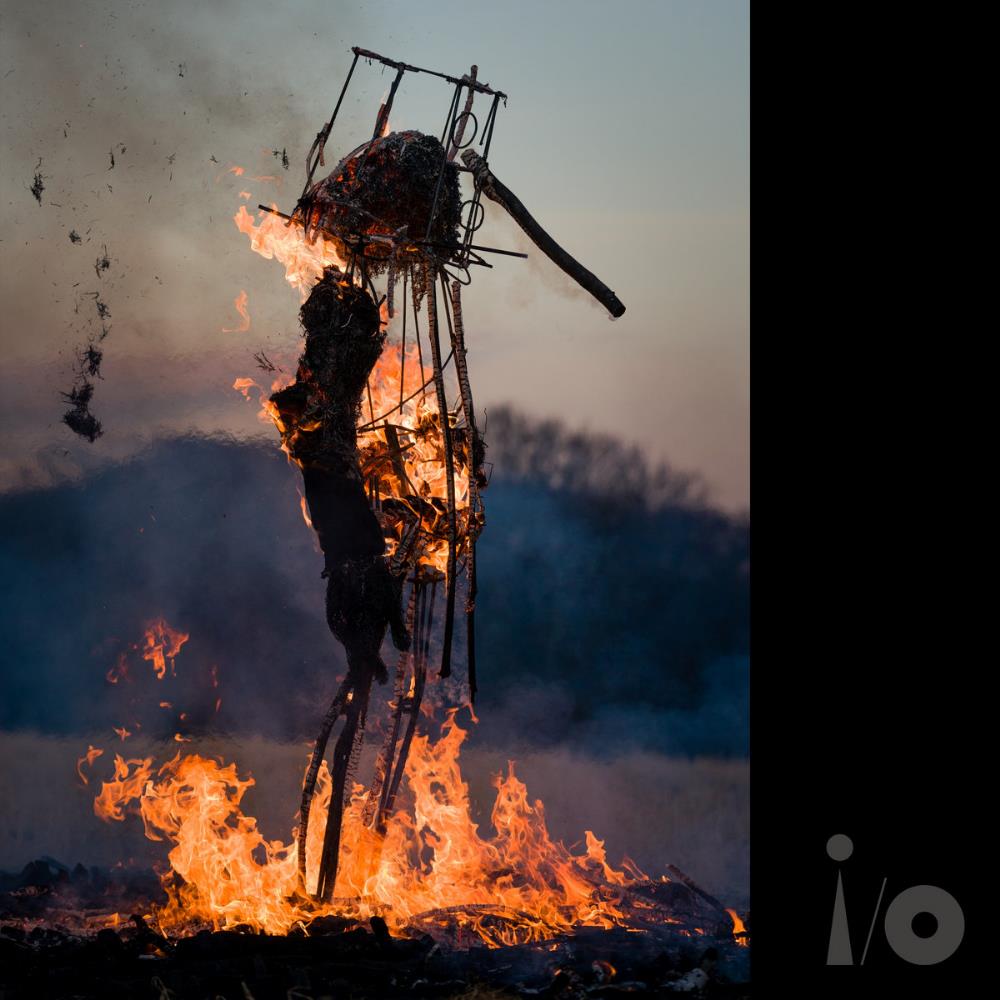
{"points": [[657, 809]]}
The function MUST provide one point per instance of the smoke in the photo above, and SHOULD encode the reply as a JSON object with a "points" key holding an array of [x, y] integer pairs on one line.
{"points": [[133, 115], [611, 642], [603, 623]]}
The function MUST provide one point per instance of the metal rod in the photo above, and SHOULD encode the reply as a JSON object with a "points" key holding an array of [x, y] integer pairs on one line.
{"points": [[380, 119], [449, 462], [322, 137], [449, 127], [367, 54], [402, 352]]}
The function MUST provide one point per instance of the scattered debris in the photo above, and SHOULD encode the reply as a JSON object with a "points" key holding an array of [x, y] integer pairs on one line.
{"points": [[90, 360], [38, 184], [75, 237], [283, 156], [265, 364], [102, 310], [52, 911], [180, 68], [103, 262], [78, 417]]}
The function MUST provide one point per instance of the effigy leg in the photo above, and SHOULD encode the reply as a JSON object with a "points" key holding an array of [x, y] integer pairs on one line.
{"points": [[384, 761], [309, 785], [345, 758]]}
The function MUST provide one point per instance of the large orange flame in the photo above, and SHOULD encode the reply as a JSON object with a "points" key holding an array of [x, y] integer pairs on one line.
{"points": [[273, 237], [431, 866]]}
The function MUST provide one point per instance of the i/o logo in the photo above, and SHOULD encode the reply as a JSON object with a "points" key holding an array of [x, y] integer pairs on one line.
{"points": [[929, 903]]}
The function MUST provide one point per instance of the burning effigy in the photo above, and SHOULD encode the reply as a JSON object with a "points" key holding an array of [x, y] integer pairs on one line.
{"points": [[384, 435], [391, 210]]}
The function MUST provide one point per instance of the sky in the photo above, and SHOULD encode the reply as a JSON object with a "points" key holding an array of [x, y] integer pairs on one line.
{"points": [[625, 134]]}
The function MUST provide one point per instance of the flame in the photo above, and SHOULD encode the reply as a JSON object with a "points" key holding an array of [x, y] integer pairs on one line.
{"points": [[739, 929], [117, 795], [162, 643], [119, 670], [244, 385], [88, 758], [416, 473], [240, 303], [431, 857], [305, 511], [273, 237], [122, 732]]}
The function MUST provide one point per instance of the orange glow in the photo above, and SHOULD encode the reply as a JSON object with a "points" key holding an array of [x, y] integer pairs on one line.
{"points": [[123, 733], [116, 795], [431, 856], [739, 929], [305, 511], [240, 303], [162, 644], [421, 456], [88, 758], [273, 238], [119, 671]]}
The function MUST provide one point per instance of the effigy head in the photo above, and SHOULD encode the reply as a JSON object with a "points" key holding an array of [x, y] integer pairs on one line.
{"points": [[387, 188]]}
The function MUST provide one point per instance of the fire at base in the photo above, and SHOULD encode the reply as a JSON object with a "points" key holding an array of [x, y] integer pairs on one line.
{"points": [[432, 870]]}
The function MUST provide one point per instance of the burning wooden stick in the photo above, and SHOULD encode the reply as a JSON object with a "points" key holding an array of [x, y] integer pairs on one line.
{"points": [[504, 197]]}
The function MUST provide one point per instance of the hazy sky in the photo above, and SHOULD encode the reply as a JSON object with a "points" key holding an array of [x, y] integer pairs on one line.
{"points": [[626, 134]]}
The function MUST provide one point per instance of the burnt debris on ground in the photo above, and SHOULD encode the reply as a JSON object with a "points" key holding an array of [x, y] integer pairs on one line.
{"points": [[57, 939]]}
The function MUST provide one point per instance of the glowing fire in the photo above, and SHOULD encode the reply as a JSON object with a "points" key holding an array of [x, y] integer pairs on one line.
{"points": [[739, 929], [162, 644], [240, 304], [417, 471], [405, 462], [273, 237], [87, 759], [430, 858]]}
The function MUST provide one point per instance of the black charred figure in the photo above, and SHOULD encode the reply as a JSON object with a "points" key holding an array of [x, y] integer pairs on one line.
{"points": [[318, 424]]}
